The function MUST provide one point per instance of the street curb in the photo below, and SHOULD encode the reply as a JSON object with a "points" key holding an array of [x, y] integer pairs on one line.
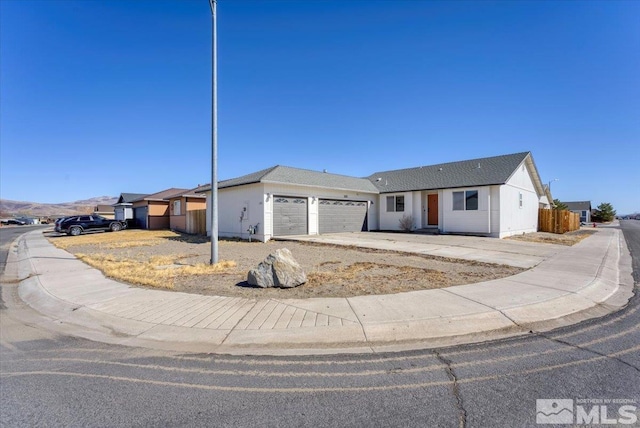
{"points": [[613, 287]]}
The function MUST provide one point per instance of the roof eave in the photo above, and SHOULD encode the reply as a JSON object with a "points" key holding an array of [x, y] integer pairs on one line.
{"points": [[443, 188], [375, 192]]}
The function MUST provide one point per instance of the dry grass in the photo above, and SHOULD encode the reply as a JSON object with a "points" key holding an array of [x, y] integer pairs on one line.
{"points": [[365, 269], [112, 240], [179, 262], [158, 272], [568, 239]]}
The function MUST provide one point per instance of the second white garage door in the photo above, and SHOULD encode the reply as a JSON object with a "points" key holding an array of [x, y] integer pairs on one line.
{"points": [[342, 216]]}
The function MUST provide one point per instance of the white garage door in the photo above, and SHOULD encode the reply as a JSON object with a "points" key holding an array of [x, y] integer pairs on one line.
{"points": [[289, 216], [342, 216]]}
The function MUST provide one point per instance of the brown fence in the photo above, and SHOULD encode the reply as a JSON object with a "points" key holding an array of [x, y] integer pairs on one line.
{"points": [[197, 222], [558, 221]]}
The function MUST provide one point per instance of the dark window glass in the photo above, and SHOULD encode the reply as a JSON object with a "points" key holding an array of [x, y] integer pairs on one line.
{"points": [[471, 200]]}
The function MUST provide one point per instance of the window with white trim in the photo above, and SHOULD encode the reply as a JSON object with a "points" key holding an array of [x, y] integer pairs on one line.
{"points": [[176, 207], [465, 201], [395, 204]]}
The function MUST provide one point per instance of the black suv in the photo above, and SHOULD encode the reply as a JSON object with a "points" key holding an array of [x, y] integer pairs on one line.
{"points": [[76, 225]]}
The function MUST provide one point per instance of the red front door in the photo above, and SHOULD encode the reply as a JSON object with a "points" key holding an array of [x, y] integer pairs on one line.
{"points": [[432, 208]]}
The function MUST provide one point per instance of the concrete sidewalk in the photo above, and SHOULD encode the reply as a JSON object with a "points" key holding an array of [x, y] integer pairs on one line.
{"points": [[589, 279], [489, 250]]}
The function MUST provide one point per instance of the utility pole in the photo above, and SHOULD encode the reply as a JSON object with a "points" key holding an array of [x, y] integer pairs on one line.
{"points": [[214, 135]]}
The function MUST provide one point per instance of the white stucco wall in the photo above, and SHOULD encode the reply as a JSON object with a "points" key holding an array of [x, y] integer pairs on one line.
{"points": [[255, 197], [494, 194], [416, 209], [391, 220], [513, 218], [233, 219], [467, 221]]}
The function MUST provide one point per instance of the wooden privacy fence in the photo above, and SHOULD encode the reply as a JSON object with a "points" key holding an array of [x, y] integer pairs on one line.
{"points": [[197, 222], [558, 221]]}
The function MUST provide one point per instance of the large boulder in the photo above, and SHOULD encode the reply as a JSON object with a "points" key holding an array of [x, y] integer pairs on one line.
{"points": [[279, 269]]}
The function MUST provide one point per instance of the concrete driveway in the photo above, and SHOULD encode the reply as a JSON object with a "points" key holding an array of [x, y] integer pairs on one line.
{"points": [[488, 250]]}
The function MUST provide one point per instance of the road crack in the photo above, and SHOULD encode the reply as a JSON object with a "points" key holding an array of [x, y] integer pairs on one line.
{"points": [[462, 413], [582, 348]]}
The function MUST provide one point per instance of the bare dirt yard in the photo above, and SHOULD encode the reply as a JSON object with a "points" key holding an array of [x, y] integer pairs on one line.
{"points": [[569, 238], [174, 261]]}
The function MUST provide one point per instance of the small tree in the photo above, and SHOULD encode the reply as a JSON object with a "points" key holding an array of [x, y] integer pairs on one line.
{"points": [[605, 212], [557, 205], [406, 223]]}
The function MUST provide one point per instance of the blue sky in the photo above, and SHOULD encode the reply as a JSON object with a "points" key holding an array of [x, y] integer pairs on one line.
{"points": [[104, 97]]}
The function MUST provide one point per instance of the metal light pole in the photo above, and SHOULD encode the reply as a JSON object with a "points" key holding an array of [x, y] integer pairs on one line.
{"points": [[549, 185], [214, 135]]}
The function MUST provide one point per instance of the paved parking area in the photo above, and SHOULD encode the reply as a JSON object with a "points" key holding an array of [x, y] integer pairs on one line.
{"points": [[488, 250]]}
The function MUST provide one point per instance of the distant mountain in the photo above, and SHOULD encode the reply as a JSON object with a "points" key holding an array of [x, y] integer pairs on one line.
{"points": [[34, 209]]}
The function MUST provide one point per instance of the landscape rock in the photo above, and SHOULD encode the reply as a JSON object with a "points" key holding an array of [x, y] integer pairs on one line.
{"points": [[279, 269]]}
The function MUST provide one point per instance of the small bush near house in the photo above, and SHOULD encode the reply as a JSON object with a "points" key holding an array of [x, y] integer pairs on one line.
{"points": [[406, 223]]}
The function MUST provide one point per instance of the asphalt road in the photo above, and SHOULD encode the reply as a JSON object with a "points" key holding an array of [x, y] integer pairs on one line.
{"points": [[53, 380]]}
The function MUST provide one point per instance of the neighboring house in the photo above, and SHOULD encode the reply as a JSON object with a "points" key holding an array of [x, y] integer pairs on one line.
{"points": [[186, 208], [583, 208], [546, 201], [123, 208], [106, 211], [496, 196], [152, 211]]}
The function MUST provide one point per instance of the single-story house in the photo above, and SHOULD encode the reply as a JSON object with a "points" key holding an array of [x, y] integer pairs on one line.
{"points": [[187, 210], [496, 196], [152, 211], [106, 211], [123, 208], [583, 208]]}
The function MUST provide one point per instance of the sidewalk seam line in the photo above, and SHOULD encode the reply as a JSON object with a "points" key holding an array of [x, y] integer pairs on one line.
{"points": [[364, 332]]}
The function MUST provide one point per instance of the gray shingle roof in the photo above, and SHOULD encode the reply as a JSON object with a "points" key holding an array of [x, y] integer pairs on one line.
{"points": [[160, 195], [304, 177], [578, 205], [195, 192], [130, 197], [474, 172]]}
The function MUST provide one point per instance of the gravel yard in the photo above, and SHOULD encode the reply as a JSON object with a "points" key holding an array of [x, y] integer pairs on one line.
{"points": [[569, 238], [333, 271]]}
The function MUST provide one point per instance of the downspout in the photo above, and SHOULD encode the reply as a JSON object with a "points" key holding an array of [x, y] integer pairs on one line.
{"points": [[489, 210]]}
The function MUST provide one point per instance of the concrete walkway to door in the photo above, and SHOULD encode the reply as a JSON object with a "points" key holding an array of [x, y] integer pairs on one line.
{"points": [[488, 250]]}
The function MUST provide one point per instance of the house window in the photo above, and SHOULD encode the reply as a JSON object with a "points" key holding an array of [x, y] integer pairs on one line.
{"points": [[395, 204], [458, 201], [471, 198], [583, 216], [520, 202], [467, 200], [176, 207]]}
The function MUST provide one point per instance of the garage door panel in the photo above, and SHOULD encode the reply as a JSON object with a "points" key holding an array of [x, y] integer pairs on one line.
{"points": [[140, 215], [342, 216], [289, 216]]}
